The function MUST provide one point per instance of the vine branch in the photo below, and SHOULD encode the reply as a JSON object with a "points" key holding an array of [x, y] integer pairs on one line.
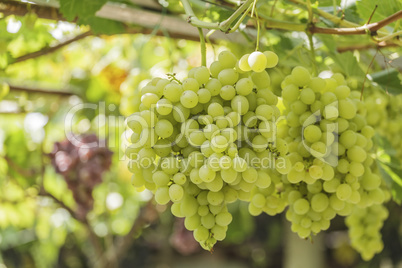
{"points": [[372, 27], [48, 50], [41, 91]]}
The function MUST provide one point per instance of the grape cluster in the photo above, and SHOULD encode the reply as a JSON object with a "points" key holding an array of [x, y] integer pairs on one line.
{"points": [[208, 141], [329, 147], [81, 164], [364, 229], [384, 113], [222, 135]]}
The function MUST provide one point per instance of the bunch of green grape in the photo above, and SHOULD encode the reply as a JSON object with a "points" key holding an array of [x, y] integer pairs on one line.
{"points": [[364, 229], [223, 135], [384, 113], [202, 143], [329, 146]]}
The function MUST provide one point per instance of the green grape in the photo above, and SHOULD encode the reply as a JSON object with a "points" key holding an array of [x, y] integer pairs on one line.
{"points": [[261, 80], [218, 232], [189, 99], [175, 209], [219, 143], [223, 218], [240, 104], [244, 86], [215, 110], [230, 134], [234, 118], [301, 206], [228, 175], [149, 99], [164, 128], [164, 107], [272, 59], [228, 92], [343, 191], [214, 86], [348, 138], [319, 202], [357, 154], [148, 120], [301, 76], [170, 165], [258, 200], [206, 174], [172, 92], [215, 198], [215, 68], [250, 175], [265, 112], [203, 210], [193, 222], [347, 109], [307, 96], [148, 137], [180, 113], [190, 84], [342, 92], [228, 77], [208, 221], [162, 195], [239, 164], [196, 138], [243, 63], [227, 59], [201, 234], [176, 192], [330, 112], [312, 133], [189, 205], [257, 61], [179, 178], [202, 75]]}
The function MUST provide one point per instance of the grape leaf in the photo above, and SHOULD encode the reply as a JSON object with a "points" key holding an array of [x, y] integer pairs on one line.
{"points": [[384, 9], [104, 26], [388, 80], [80, 8], [389, 167], [85, 12], [348, 63]]}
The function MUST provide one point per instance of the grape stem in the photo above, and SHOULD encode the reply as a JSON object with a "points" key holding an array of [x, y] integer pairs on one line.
{"points": [[203, 48], [310, 37], [312, 50], [224, 26]]}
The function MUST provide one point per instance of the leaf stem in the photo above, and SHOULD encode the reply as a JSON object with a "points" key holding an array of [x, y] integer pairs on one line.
{"points": [[203, 48]]}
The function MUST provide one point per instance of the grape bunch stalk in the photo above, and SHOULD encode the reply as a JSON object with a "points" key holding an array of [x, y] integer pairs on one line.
{"points": [[223, 135], [82, 165]]}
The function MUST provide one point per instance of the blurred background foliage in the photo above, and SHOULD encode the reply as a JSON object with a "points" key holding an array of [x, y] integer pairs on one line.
{"points": [[39, 222]]}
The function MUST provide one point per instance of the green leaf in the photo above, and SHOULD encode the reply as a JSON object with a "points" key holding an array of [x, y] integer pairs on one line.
{"points": [[346, 61], [388, 80], [389, 167], [384, 9], [104, 26], [80, 8]]}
